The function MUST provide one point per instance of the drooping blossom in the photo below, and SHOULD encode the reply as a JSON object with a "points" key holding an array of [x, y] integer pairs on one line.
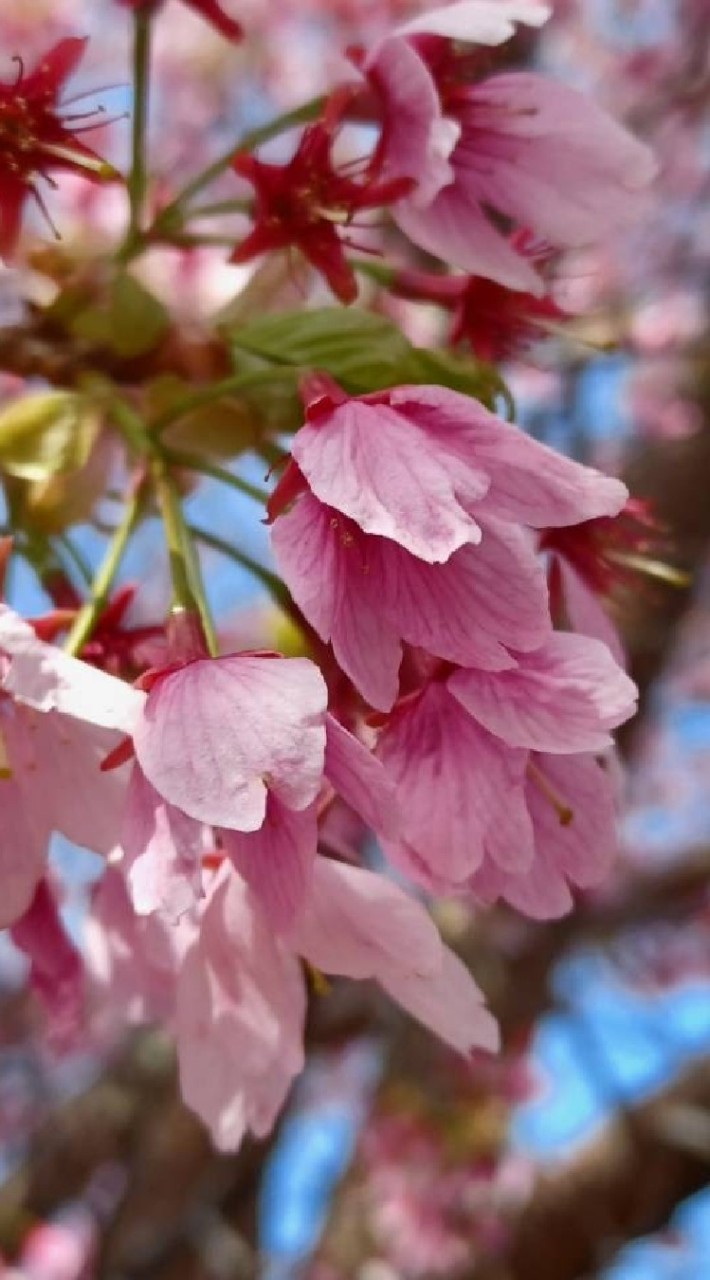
{"points": [[210, 10], [309, 202], [58, 720], [411, 506], [518, 144], [241, 993], [495, 777], [37, 139]]}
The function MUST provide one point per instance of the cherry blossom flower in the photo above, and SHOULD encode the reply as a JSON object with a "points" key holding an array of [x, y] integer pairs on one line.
{"points": [[210, 10], [241, 994], [35, 138], [521, 145], [472, 796], [413, 479]]}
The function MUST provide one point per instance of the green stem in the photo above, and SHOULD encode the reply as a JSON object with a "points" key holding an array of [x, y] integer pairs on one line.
{"points": [[218, 391], [79, 561], [138, 178], [270, 580], [88, 616], [221, 207], [193, 462], [247, 142]]}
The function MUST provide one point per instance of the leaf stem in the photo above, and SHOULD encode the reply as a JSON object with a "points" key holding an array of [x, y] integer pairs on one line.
{"points": [[248, 141]]}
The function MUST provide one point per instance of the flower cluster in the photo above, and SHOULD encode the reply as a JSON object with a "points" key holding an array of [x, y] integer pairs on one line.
{"points": [[445, 702]]}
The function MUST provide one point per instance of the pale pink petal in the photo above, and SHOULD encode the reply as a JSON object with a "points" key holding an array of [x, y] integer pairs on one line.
{"points": [[452, 780], [488, 22], [372, 462], [584, 848], [417, 139], [529, 483], [217, 732], [550, 158], [540, 892], [449, 1004], [60, 764], [44, 677], [24, 837], [510, 838], [277, 860], [564, 697], [360, 925], [455, 228], [359, 779], [239, 1021], [163, 851], [472, 609], [323, 560]]}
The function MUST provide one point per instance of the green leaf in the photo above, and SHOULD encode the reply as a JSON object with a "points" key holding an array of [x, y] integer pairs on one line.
{"points": [[46, 434], [460, 373], [363, 351], [223, 428]]}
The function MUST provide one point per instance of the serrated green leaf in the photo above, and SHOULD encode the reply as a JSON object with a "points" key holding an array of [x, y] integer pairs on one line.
{"points": [[363, 351], [46, 434]]}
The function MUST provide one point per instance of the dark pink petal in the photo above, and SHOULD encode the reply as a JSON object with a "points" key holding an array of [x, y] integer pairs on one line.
{"points": [[371, 461], [452, 781], [529, 483], [24, 837], [323, 558], [219, 732], [360, 780], [564, 697], [277, 860], [470, 610], [56, 66], [56, 968]]}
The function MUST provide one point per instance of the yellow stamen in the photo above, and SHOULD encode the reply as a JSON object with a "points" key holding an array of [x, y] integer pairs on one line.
{"points": [[5, 770], [94, 164], [652, 568], [318, 980]]}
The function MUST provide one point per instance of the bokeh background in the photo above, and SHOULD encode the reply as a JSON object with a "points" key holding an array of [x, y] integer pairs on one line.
{"points": [[585, 1150]]}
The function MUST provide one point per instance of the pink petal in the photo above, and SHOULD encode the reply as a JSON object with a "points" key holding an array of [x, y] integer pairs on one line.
{"points": [[360, 925], [450, 1004], [488, 22], [322, 557], [24, 837], [455, 229], [217, 732], [239, 1023], [163, 851], [452, 781], [529, 483], [585, 611], [373, 463], [359, 779], [550, 158], [277, 860], [563, 697], [584, 848], [56, 969], [460, 610], [46, 678]]}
